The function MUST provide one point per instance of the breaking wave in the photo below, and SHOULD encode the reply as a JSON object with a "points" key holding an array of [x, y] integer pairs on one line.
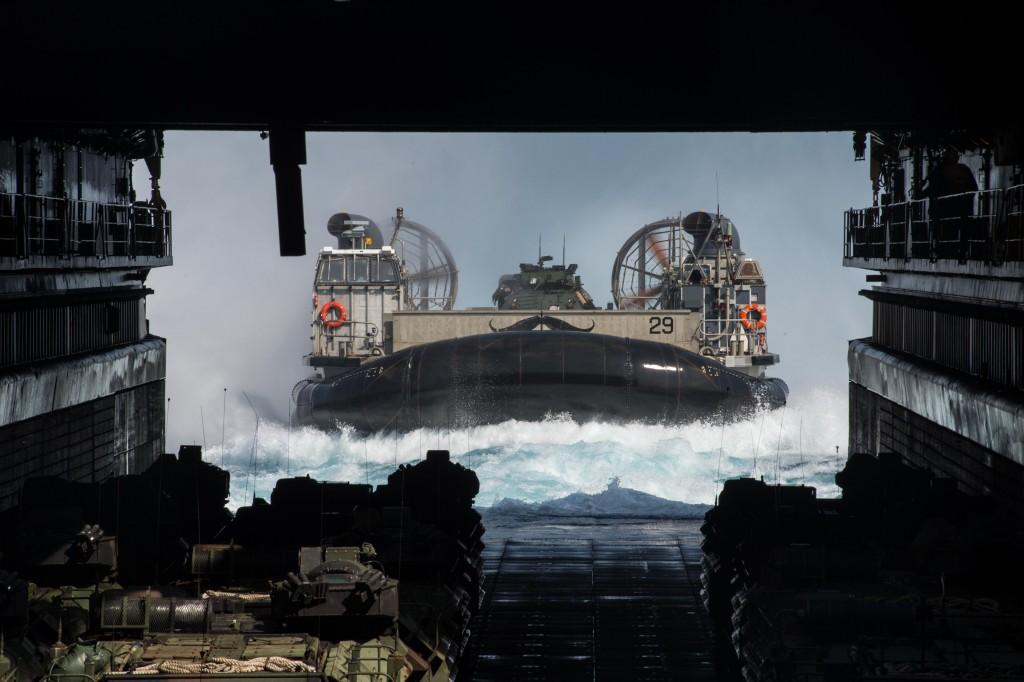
{"points": [[539, 461]]}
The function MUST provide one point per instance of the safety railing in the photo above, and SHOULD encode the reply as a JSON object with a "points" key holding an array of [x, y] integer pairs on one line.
{"points": [[729, 336], [45, 224], [10, 235], [358, 339], [983, 226], [34, 226], [152, 231]]}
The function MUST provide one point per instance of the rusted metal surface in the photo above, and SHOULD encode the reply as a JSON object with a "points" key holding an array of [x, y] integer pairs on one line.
{"points": [[591, 599]]}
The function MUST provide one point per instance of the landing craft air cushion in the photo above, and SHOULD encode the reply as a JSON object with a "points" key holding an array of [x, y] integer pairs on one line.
{"points": [[687, 341]]}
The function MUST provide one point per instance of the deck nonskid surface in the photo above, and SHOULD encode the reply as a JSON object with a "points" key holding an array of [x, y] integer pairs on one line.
{"points": [[586, 598]]}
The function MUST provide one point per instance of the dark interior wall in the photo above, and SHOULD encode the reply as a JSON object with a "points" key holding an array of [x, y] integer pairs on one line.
{"points": [[122, 433], [48, 328], [880, 425]]}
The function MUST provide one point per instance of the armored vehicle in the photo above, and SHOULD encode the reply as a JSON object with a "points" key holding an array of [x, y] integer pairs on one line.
{"points": [[541, 287], [150, 576]]}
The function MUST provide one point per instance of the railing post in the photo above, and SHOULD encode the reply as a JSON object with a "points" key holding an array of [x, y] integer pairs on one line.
{"points": [[101, 231], [131, 246], [20, 227], [846, 234], [886, 236], [907, 226], [932, 238], [962, 233], [66, 223], [992, 218]]}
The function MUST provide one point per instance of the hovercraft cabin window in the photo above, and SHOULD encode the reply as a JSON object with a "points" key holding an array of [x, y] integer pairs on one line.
{"points": [[356, 269]]}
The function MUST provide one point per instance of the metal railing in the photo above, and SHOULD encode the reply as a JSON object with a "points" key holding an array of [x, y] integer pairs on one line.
{"points": [[33, 226], [10, 235], [726, 333], [350, 334], [986, 226], [152, 231]]}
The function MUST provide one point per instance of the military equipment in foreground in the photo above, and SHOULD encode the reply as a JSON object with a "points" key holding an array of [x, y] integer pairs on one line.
{"points": [[688, 341], [149, 576], [906, 577]]}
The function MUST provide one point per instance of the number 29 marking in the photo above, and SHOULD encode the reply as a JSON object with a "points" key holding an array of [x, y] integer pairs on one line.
{"points": [[662, 325]]}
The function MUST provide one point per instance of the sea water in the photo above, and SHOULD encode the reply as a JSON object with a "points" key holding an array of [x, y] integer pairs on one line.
{"points": [[545, 460]]}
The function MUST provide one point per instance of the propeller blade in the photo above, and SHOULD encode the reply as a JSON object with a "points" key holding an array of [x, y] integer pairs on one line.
{"points": [[640, 299], [652, 291], [659, 253]]}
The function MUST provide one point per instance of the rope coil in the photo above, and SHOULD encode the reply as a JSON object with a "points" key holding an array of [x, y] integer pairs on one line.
{"points": [[217, 664], [251, 597]]}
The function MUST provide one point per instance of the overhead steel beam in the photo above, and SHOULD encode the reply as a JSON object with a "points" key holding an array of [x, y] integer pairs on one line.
{"points": [[287, 153]]}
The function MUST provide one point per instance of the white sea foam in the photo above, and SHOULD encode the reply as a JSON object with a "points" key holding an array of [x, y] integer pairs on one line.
{"points": [[538, 461]]}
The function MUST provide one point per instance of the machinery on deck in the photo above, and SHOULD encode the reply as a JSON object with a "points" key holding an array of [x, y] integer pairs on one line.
{"points": [[366, 278], [695, 263]]}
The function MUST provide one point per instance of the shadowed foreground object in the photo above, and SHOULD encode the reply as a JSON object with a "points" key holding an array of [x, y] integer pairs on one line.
{"points": [[150, 577], [582, 599]]}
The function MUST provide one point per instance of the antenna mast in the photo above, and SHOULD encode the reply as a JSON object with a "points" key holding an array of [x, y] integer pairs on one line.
{"points": [[718, 203]]}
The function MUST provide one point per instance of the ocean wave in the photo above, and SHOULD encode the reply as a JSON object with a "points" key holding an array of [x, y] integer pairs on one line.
{"points": [[544, 460]]}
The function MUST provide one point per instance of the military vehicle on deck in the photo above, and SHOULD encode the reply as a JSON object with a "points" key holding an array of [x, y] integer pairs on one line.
{"points": [[150, 577], [542, 287]]}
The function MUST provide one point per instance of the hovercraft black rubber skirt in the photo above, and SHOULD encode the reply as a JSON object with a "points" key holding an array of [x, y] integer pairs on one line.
{"points": [[491, 378]]}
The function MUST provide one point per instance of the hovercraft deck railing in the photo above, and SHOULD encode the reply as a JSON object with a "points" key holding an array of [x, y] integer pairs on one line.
{"points": [[984, 226]]}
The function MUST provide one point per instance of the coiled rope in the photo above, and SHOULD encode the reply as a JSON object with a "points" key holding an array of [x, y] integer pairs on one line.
{"points": [[252, 597], [216, 664]]}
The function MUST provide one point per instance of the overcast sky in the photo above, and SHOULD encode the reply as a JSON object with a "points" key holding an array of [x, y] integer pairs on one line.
{"points": [[237, 315]]}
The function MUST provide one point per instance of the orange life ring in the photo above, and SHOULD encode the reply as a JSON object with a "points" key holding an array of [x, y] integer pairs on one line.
{"points": [[337, 321], [753, 322]]}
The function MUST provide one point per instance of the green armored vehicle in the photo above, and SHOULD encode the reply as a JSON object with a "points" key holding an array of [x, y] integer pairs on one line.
{"points": [[303, 588], [540, 287]]}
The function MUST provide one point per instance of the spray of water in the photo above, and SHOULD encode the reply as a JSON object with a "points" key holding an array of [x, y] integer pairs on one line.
{"points": [[538, 461]]}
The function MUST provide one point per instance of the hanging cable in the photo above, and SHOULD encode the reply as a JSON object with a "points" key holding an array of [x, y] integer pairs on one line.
{"points": [[223, 418], [803, 471], [778, 449], [757, 445], [253, 452], [718, 474], [202, 422]]}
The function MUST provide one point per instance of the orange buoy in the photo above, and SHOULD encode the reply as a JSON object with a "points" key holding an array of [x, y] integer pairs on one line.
{"points": [[333, 322], [753, 316]]}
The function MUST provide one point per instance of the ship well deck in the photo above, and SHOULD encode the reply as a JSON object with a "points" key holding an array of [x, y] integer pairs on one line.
{"points": [[585, 598]]}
